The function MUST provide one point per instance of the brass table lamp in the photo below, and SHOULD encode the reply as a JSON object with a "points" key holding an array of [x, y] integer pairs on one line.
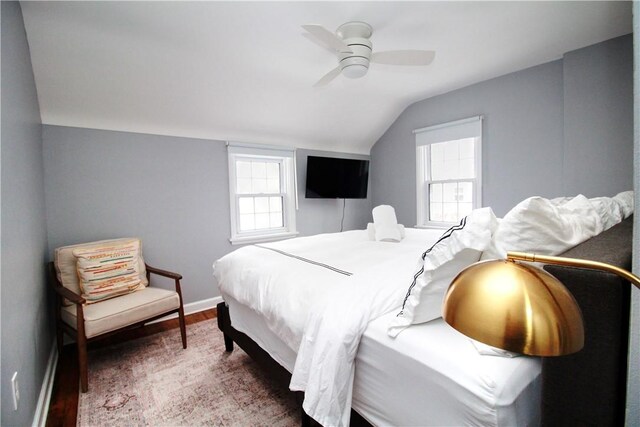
{"points": [[519, 307]]}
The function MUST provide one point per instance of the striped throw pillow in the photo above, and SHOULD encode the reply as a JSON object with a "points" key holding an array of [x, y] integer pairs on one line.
{"points": [[108, 271]]}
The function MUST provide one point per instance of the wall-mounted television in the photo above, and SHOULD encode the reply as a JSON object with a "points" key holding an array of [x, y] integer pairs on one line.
{"points": [[335, 178]]}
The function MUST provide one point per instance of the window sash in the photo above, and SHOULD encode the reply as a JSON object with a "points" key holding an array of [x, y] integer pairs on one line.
{"points": [[468, 128], [285, 193]]}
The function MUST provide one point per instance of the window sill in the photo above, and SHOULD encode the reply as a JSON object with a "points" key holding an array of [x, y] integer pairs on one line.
{"points": [[243, 240], [443, 226]]}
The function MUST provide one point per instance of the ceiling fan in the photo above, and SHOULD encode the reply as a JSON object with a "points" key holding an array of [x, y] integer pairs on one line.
{"points": [[354, 49]]}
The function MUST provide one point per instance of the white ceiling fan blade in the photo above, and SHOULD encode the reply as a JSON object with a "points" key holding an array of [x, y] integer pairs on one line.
{"points": [[404, 57], [327, 38], [326, 79]]}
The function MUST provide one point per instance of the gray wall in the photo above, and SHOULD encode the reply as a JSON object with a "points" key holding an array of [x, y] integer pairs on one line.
{"points": [[317, 216], [598, 118], [524, 132], [171, 192], [27, 333]]}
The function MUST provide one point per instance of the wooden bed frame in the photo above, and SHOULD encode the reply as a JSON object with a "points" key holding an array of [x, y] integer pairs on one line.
{"points": [[586, 388]]}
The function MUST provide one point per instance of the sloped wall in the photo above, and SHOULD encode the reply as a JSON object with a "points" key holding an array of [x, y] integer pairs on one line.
{"points": [[529, 146]]}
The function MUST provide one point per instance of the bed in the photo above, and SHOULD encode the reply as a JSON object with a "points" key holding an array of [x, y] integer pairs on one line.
{"points": [[429, 374]]}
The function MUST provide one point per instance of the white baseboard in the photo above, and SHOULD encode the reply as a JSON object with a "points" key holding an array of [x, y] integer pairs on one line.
{"points": [[193, 307], [42, 408]]}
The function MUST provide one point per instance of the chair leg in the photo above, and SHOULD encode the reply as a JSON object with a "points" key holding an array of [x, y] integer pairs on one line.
{"points": [[183, 327], [82, 362], [81, 340]]}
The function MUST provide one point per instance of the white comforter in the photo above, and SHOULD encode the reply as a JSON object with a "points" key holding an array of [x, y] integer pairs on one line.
{"points": [[320, 309]]}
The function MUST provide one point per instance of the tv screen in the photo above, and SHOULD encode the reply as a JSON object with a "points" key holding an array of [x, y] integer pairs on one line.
{"points": [[334, 178]]}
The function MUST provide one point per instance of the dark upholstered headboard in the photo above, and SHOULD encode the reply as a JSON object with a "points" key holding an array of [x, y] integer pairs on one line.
{"points": [[589, 387]]}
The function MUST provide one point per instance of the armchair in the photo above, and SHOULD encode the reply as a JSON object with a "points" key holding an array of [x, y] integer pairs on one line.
{"points": [[86, 318]]}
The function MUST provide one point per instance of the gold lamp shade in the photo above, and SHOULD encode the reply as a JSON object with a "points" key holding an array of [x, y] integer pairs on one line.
{"points": [[515, 307]]}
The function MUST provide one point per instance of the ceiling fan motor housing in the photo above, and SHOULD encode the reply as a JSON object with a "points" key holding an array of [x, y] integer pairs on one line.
{"points": [[355, 64], [356, 35]]}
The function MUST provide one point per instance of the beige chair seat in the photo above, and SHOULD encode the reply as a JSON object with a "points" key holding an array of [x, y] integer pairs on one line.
{"points": [[125, 310]]}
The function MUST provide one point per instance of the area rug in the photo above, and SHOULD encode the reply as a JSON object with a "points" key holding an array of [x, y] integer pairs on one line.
{"points": [[152, 381]]}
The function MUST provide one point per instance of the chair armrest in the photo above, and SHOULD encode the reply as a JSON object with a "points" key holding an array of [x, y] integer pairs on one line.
{"points": [[69, 294], [164, 273]]}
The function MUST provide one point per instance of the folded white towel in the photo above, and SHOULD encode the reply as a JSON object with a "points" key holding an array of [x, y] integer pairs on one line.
{"points": [[371, 231], [386, 224]]}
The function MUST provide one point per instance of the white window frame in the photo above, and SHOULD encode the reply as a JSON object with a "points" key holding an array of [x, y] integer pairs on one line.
{"points": [[451, 131], [286, 158]]}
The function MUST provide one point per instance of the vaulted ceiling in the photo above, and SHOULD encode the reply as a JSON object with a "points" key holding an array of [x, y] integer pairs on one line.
{"points": [[244, 71]]}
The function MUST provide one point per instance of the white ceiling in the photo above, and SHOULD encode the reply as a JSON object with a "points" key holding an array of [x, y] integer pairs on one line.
{"points": [[244, 71]]}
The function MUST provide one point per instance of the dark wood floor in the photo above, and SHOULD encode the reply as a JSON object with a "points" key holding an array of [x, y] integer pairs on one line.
{"points": [[63, 409]]}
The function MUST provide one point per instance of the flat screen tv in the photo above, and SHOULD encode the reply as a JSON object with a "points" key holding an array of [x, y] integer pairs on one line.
{"points": [[334, 178]]}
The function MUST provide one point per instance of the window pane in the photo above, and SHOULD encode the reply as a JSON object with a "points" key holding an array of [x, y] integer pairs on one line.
{"points": [[245, 205], [450, 150], [262, 204], [273, 185], [247, 222], [437, 152], [437, 161], [449, 191], [465, 192], [243, 169], [467, 169], [435, 192], [451, 169], [438, 172], [243, 186], [258, 170], [275, 204], [262, 221], [466, 147], [258, 185], [435, 211], [273, 170], [276, 219], [452, 160], [450, 212]]}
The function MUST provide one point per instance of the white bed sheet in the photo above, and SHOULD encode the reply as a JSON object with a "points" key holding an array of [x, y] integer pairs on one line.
{"points": [[429, 375]]}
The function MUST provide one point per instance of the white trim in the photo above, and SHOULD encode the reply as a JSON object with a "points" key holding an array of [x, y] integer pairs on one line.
{"points": [[262, 238], [192, 307], [264, 146], [44, 399], [288, 192], [423, 162], [444, 125]]}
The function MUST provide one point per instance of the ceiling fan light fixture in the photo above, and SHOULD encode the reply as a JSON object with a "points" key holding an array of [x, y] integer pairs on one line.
{"points": [[354, 71]]}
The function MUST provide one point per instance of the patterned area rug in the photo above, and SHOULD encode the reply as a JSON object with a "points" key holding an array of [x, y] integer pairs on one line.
{"points": [[153, 381]]}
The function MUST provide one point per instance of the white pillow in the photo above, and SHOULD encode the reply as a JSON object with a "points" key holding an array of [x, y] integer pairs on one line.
{"points": [[545, 227], [626, 202], [458, 247]]}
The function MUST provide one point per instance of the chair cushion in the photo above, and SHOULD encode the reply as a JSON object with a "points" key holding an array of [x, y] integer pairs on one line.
{"points": [[125, 310], [66, 264], [108, 271]]}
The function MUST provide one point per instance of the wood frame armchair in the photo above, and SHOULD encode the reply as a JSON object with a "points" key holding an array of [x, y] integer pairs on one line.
{"points": [[79, 333]]}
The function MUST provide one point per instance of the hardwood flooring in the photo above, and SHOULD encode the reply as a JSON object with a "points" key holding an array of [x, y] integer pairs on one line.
{"points": [[63, 408]]}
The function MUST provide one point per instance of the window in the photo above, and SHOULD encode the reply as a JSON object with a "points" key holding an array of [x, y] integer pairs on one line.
{"points": [[262, 193], [449, 170]]}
